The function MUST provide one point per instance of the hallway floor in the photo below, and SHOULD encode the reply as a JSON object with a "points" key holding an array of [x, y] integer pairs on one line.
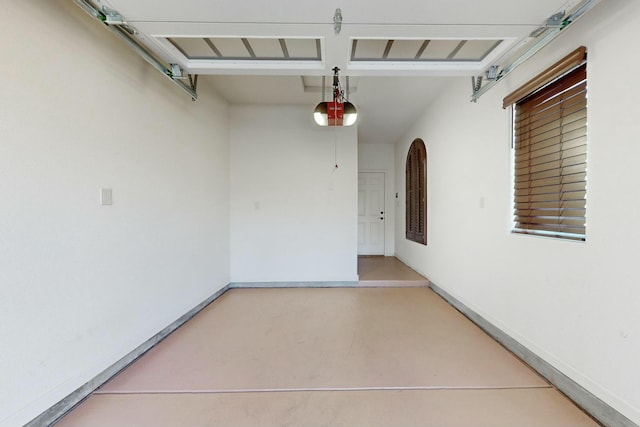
{"points": [[328, 357], [388, 270]]}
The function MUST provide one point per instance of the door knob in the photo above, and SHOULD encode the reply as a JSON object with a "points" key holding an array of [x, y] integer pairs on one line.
{"points": [[381, 218]]}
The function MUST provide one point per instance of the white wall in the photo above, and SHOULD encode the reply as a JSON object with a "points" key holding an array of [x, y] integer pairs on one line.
{"points": [[380, 158], [577, 305], [293, 214], [82, 285]]}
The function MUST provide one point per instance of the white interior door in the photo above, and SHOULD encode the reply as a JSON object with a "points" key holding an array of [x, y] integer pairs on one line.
{"points": [[371, 214]]}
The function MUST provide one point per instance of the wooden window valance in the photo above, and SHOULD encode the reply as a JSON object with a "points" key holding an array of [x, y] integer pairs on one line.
{"points": [[561, 67]]}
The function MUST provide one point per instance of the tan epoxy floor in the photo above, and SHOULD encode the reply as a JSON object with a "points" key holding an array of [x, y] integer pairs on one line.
{"points": [[383, 268], [254, 339], [402, 408], [328, 357]]}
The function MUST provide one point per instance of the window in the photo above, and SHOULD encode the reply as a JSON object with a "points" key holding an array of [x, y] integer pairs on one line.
{"points": [[416, 189], [550, 148]]}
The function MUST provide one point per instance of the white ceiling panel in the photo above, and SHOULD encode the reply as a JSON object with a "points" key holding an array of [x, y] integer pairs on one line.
{"points": [[369, 49], [302, 48], [193, 47], [314, 84], [439, 50], [435, 12], [266, 48], [230, 47], [405, 49], [312, 81], [387, 106], [475, 50], [460, 33]]}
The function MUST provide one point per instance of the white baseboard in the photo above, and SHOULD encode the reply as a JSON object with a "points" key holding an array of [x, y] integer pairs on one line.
{"points": [[57, 411], [582, 397]]}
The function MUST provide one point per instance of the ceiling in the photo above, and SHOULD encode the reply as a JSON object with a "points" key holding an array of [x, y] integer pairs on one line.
{"points": [[397, 54]]}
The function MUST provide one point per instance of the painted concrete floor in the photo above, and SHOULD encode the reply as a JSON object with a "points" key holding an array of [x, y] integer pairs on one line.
{"points": [[387, 271], [328, 357]]}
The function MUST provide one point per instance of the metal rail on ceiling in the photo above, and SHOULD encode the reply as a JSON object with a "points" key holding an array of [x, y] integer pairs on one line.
{"points": [[548, 32], [124, 32]]}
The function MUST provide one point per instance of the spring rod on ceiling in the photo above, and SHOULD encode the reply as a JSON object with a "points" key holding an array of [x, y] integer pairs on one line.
{"points": [[125, 33]]}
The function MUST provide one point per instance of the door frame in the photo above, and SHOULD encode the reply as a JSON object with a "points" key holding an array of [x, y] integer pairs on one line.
{"points": [[387, 205]]}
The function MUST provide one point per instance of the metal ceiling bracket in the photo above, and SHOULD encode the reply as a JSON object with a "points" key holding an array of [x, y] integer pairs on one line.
{"points": [[476, 84], [555, 20], [537, 32], [492, 72], [193, 81], [176, 71], [126, 33], [112, 17], [337, 21]]}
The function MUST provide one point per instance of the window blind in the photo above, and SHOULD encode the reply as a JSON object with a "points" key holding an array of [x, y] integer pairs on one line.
{"points": [[416, 215], [550, 141]]}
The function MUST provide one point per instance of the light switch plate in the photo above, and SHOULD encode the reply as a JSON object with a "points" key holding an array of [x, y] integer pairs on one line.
{"points": [[106, 196]]}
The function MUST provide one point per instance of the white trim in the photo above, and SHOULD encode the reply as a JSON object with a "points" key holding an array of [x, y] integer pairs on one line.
{"points": [[60, 409], [582, 397]]}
